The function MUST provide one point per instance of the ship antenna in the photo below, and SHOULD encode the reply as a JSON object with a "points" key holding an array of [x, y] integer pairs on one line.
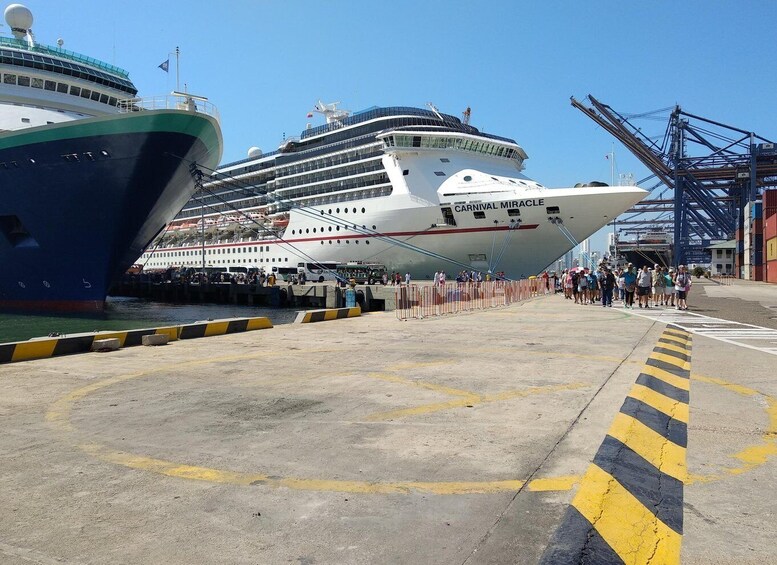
{"points": [[433, 108]]}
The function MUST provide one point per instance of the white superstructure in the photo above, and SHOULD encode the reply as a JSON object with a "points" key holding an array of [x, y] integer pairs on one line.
{"points": [[413, 189]]}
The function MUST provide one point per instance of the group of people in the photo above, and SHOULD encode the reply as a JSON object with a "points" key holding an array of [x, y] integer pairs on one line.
{"points": [[659, 286]]}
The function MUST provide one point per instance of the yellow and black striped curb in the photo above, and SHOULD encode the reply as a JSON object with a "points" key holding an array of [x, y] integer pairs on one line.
{"points": [[629, 507], [327, 314], [82, 343]]}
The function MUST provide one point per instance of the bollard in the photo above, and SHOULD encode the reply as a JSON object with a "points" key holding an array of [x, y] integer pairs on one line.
{"points": [[109, 344], [155, 339]]}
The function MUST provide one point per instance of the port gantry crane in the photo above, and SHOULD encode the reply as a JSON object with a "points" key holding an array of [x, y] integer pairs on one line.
{"points": [[711, 170]]}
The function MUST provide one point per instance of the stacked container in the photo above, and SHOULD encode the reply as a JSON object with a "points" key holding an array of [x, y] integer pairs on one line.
{"points": [[757, 238], [770, 235], [747, 243]]}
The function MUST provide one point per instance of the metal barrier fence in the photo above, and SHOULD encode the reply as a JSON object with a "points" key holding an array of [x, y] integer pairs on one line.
{"points": [[421, 301]]}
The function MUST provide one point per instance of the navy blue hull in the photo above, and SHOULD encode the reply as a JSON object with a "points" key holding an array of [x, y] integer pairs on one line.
{"points": [[77, 209]]}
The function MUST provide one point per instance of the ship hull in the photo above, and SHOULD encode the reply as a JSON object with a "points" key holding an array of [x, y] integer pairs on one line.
{"points": [[409, 235], [83, 199]]}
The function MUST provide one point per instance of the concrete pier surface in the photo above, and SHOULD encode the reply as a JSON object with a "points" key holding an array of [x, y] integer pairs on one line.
{"points": [[459, 439]]}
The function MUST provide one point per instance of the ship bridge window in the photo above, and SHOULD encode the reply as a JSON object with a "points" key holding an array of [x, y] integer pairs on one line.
{"points": [[75, 91], [24, 81], [553, 210], [416, 141], [480, 215], [62, 87], [513, 212], [36, 83], [9, 79], [50, 85]]}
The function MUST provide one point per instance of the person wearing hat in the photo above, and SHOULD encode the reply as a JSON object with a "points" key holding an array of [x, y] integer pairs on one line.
{"points": [[669, 292]]}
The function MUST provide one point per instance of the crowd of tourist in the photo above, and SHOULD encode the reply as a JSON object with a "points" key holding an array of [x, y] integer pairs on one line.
{"points": [[656, 287]]}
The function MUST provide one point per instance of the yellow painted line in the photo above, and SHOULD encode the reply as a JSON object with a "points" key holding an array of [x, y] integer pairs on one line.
{"points": [[629, 528], [422, 384], [751, 456], [59, 412], [670, 359], [198, 473], [677, 410], [738, 389], [34, 350], [664, 455], [553, 484], [677, 348], [470, 399], [667, 377], [508, 394]]}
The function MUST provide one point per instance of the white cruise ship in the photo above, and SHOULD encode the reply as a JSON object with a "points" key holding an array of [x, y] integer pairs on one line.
{"points": [[413, 189]]}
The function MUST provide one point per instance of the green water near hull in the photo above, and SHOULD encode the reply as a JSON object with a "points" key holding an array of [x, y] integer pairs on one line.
{"points": [[128, 314]]}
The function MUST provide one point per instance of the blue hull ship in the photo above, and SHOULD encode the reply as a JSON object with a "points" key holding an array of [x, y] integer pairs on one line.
{"points": [[89, 176]]}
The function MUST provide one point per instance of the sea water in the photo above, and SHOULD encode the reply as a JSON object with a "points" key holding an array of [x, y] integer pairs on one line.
{"points": [[128, 314]]}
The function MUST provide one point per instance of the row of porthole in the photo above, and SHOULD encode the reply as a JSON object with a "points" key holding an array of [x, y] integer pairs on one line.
{"points": [[345, 211], [356, 241], [337, 228]]}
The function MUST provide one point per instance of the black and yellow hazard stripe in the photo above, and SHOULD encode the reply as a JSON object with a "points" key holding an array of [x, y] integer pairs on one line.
{"points": [[221, 327], [65, 345], [131, 338], [629, 507], [328, 314]]}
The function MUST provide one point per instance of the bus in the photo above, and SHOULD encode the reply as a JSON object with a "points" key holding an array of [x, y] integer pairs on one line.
{"points": [[362, 273], [318, 272]]}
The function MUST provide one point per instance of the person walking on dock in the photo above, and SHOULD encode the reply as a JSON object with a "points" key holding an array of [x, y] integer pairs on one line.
{"points": [[682, 285], [644, 280]]}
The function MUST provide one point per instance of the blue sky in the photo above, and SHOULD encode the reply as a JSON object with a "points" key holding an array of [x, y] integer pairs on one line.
{"points": [[265, 63]]}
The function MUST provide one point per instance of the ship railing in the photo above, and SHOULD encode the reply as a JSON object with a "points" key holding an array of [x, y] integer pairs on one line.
{"points": [[423, 301], [169, 102]]}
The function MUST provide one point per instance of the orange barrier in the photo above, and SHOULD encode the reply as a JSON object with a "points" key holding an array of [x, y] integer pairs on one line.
{"points": [[414, 301]]}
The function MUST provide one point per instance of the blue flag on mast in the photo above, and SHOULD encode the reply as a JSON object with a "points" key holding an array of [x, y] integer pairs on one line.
{"points": [[165, 66]]}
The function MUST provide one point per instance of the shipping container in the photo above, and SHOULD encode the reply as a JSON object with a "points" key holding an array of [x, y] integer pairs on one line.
{"points": [[757, 210], [740, 235], [757, 273], [771, 272], [757, 226], [771, 249], [740, 246], [758, 242], [770, 226], [770, 198]]}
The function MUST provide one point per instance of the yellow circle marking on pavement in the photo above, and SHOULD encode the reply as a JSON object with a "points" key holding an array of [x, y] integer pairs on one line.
{"points": [[751, 456], [60, 411]]}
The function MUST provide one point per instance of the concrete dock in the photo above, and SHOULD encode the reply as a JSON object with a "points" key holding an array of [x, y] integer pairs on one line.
{"points": [[458, 439]]}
